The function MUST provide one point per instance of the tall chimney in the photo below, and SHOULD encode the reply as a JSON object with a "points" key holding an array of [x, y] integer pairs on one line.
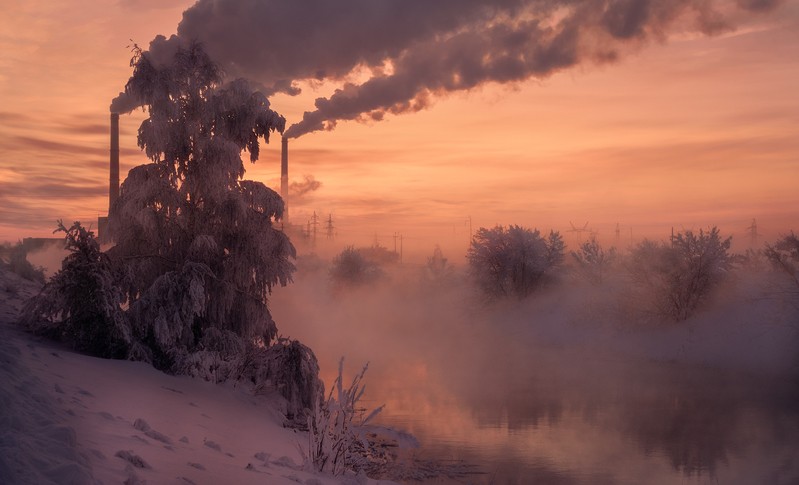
{"points": [[284, 176], [113, 185]]}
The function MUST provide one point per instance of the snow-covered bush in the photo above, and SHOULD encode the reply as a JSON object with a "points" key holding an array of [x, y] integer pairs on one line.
{"points": [[81, 302], [515, 261], [352, 268], [593, 262], [676, 279], [287, 367]]}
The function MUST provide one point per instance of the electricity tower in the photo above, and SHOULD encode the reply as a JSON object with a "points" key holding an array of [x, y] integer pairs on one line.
{"points": [[329, 227]]}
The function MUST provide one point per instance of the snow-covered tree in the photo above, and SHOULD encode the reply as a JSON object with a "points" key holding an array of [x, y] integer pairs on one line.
{"points": [[196, 252], [81, 302], [593, 261], [197, 243], [679, 277], [351, 268], [514, 261]]}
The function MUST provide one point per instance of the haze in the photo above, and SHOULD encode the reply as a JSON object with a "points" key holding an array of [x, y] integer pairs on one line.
{"points": [[691, 125], [413, 125]]}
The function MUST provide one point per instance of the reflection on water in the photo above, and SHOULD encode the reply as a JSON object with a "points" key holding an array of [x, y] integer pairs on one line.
{"points": [[651, 423], [564, 388]]}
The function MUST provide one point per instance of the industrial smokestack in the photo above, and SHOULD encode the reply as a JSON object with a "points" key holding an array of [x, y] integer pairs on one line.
{"points": [[113, 185], [284, 176]]}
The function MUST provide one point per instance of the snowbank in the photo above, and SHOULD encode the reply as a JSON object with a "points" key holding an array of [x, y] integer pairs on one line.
{"points": [[70, 418]]}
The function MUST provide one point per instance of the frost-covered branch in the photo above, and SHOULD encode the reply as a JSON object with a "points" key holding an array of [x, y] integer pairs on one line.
{"points": [[331, 428]]}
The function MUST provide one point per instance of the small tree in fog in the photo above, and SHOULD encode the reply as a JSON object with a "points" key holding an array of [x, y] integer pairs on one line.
{"points": [[593, 261], [437, 270], [514, 261], [196, 242], [784, 256], [81, 302], [351, 268], [680, 276]]}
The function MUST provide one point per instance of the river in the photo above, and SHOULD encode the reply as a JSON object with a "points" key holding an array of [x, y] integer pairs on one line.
{"points": [[653, 423], [567, 387]]}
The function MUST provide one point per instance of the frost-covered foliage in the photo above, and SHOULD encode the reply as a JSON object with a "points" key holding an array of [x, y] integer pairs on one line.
{"points": [[196, 243], [18, 263], [332, 427], [81, 302], [287, 367], [677, 278], [290, 368], [593, 262], [352, 268], [515, 261], [784, 256]]}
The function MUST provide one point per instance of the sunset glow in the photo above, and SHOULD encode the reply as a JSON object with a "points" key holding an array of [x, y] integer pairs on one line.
{"points": [[689, 132]]}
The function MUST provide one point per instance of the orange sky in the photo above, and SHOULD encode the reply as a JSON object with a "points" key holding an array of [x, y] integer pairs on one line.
{"points": [[688, 133]]}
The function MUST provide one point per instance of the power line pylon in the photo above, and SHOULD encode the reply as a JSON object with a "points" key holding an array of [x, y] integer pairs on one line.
{"points": [[752, 231], [579, 231], [314, 222], [329, 227]]}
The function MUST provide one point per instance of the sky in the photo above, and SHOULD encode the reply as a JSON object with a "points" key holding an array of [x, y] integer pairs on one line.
{"points": [[680, 117]]}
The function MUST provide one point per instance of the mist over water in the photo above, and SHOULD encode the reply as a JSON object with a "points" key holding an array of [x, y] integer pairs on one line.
{"points": [[571, 385]]}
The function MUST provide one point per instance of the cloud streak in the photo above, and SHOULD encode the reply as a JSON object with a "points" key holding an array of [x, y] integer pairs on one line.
{"points": [[43, 145]]}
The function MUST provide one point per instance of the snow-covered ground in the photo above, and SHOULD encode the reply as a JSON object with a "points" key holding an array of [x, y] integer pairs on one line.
{"points": [[69, 418]]}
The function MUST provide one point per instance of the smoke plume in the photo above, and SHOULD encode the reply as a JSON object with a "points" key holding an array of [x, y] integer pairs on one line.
{"points": [[417, 50], [308, 184]]}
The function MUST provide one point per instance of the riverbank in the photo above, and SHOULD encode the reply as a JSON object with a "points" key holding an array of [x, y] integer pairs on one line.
{"points": [[71, 418]]}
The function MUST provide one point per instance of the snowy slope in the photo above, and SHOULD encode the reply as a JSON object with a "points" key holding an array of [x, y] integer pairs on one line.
{"points": [[70, 418]]}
